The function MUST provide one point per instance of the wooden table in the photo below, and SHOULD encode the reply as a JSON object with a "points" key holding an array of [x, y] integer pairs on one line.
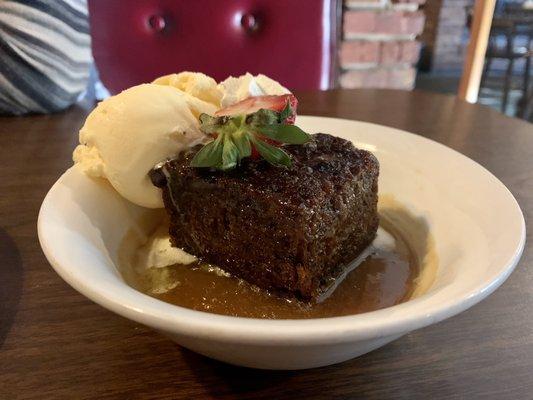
{"points": [[56, 344]]}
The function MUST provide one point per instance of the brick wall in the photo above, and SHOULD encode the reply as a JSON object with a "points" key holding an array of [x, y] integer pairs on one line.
{"points": [[450, 43], [379, 47]]}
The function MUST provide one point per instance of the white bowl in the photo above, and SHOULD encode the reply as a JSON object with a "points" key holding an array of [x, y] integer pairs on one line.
{"points": [[477, 226]]}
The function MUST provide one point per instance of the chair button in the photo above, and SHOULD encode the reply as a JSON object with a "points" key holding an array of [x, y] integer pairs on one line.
{"points": [[249, 23], [157, 23]]}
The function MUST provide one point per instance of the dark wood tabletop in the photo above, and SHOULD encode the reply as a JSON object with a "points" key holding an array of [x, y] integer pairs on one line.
{"points": [[56, 344]]}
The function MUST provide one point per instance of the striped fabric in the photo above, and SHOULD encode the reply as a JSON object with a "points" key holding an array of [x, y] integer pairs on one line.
{"points": [[45, 54]]}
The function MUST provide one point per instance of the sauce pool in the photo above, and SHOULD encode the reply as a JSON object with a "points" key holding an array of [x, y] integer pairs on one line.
{"points": [[385, 278]]}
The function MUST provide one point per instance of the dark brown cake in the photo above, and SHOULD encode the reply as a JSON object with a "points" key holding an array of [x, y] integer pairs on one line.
{"points": [[284, 229]]}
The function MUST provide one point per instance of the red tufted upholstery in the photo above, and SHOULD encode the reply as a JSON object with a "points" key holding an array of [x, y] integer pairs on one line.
{"points": [[292, 41]]}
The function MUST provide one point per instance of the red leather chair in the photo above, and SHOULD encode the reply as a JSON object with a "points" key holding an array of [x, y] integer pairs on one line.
{"points": [[292, 41]]}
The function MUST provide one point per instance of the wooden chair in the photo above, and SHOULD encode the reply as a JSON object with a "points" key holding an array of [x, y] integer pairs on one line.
{"points": [[477, 50], [525, 106], [508, 28], [477, 47]]}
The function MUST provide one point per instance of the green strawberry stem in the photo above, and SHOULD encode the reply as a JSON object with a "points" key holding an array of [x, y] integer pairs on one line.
{"points": [[235, 135]]}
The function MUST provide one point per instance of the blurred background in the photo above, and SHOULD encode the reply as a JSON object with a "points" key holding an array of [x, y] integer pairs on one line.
{"points": [[506, 68], [47, 47]]}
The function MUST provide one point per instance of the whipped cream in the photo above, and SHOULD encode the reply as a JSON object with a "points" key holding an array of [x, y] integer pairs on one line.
{"points": [[235, 89]]}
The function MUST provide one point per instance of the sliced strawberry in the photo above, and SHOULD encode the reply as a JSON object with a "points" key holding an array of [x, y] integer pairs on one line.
{"points": [[250, 107], [253, 104], [255, 154]]}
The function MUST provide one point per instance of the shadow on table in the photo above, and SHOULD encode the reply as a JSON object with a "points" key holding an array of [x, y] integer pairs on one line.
{"points": [[386, 368], [383, 368], [10, 282], [220, 378]]}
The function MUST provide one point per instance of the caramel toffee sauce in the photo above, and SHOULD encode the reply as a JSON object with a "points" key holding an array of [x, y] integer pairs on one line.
{"points": [[384, 278]]}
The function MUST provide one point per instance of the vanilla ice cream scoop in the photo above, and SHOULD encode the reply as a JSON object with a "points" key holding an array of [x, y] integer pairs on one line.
{"points": [[128, 134], [158, 251], [195, 84], [236, 89]]}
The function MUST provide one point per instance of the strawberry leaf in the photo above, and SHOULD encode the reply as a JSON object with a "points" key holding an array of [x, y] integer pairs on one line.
{"points": [[290, 134], [230, 154], [274, 155], [243, 145], [209, 124], [263, 117], [286, 112], [210, 155], [254, 122]]}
